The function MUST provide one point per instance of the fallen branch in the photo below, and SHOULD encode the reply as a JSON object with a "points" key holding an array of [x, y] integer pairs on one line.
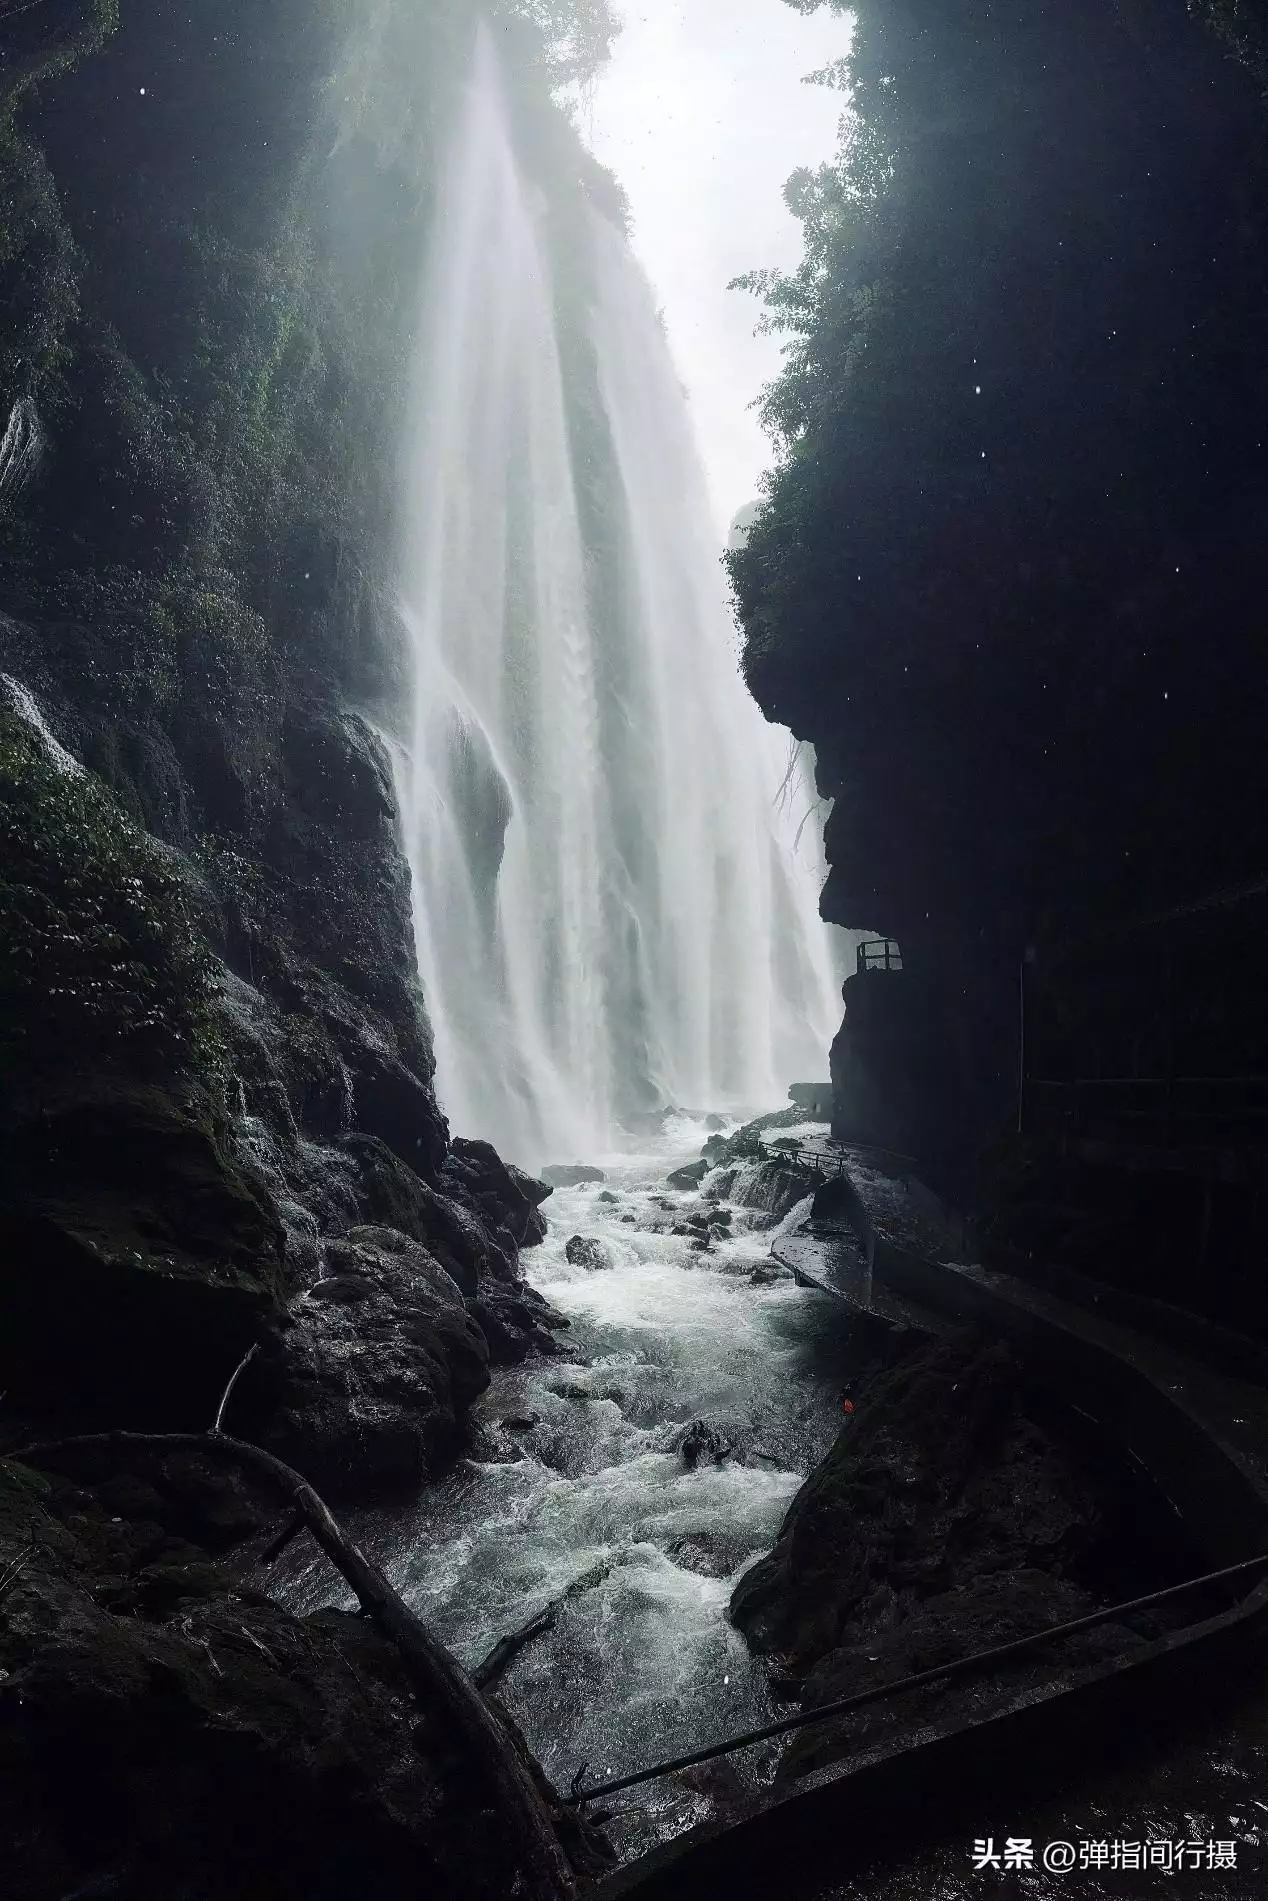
{"points": [[16, 1566], [434, 1672], [234, 1377], [292, 1529], [506, 1649]]}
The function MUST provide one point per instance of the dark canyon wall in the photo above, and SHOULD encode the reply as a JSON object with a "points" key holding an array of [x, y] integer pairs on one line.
{"points": [[1010, 573], [216, 1057]]}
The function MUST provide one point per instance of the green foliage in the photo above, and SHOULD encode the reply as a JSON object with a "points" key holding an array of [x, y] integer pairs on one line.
{"points": [[1001, 573], [576, 35], [97, 951]]}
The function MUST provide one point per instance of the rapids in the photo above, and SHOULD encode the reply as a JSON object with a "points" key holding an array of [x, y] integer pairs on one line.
{"points": [[642, 1664]]}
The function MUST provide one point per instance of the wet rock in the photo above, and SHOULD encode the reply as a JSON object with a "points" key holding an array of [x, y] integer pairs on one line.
{"points": [[714, 1122], [514, 1319], [520, 1422], [213, 1745], [702, 1244], [606, 1194], [454, 1232], [773, 1189], [365, 1392], [630, 1220], [767, 1273], [138, 1258], [697, 1552], [584, 1250], [948, 1516], [571, 1174], [705, 1439], [510, 1197], [403, 1248], [690, 1176]]}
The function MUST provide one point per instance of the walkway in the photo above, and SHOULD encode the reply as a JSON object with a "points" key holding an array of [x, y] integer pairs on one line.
{"points": [[1233, 1411], [1133, 1754]]}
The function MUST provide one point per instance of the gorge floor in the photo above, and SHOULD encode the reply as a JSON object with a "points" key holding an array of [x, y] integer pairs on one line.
{"points": [[577, 1470]]}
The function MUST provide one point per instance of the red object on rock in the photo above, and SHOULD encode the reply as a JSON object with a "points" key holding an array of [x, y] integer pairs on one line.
{"points": [[847, 1405]]}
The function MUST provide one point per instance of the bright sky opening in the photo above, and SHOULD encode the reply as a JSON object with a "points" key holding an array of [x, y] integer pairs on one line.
{"points": [[702, 116]]}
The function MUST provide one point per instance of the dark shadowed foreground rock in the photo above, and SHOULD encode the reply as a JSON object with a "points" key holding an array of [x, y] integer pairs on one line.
{"points": [[138, 1259], [454, 1230], [166, 1731], [514, 1319], [956, 1511]]}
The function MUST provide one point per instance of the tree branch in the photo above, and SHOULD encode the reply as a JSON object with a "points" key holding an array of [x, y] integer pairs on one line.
{"points": [[239, 1369], [434, 1672], [506, 1649]]}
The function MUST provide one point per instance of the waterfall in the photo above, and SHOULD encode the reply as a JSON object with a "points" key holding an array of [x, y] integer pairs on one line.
{"points": [[612, 910], [27, 707], [21, 447]]}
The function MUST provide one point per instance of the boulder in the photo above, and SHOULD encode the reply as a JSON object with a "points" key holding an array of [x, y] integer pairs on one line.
{"points": [[454, 1231], [365, 1392], [950, 1515], [705, 1439], [571, 1174], [510, 1197], [690, 1176], [515, 1319], [584, 1250]]}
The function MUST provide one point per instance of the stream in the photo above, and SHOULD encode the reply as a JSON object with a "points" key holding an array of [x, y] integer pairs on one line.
{"points": [[576, 1473]]}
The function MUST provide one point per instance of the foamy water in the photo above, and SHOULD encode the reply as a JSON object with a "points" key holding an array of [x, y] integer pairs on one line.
{"points": [[642, 1664]]}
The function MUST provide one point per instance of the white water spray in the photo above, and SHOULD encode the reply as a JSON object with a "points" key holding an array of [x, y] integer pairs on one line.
{"points": [[21, 447], [612, 910], [27, 707]]}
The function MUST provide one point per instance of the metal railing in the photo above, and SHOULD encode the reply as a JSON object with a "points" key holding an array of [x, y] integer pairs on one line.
{"points": [[878, 953], [814, 1161], [959, 1666]]}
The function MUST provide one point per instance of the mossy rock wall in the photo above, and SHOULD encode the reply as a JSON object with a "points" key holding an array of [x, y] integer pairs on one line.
{"points": [[213, 223]]}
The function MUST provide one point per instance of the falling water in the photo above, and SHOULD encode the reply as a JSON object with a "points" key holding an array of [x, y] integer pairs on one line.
{"points": [[27, 707], [21, 447], [612, 911]]}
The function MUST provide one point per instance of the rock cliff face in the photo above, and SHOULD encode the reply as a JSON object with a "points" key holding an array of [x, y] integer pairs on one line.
{"points": [[1008, 579], [956, 1511], [218, 1123]]}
